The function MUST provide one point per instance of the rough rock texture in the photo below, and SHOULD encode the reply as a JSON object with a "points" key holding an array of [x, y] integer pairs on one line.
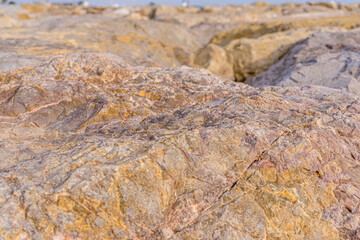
{"points": [[255, 47], [326, 59], [254, 55], [140, 42], [93, 148], [256, 29], [153, 35], [17, 53]]}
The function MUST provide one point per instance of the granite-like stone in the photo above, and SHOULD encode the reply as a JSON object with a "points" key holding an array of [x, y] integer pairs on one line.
{"points": [[91, 147]]}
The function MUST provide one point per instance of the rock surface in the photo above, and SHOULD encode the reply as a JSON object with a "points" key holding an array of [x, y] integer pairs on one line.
{"points": [[253, 56], [93, 148], [326, 59], [216, 59], [140, 42], [271, 26], [154, 35], [17, 53], [255, 47]]}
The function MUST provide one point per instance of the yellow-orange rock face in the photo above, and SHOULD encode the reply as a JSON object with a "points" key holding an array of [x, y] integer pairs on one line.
{"points": [[99, 141], [93, 148]]}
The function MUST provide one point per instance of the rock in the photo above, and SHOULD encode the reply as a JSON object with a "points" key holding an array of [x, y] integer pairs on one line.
{"points": [[93, 148], [17, 53], [100, 69], [139, 42], [7, 22], [257, 46], [260, 29], [23, 16], [40, 7], [165, 36], [216, 59], [326, 59], [247, 57], [330, 4], [124, 11], [10, 61], [253, 56], [204, 31]]}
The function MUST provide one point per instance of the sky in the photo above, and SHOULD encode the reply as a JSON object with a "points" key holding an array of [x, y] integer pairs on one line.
{"points": [[175, 2]]}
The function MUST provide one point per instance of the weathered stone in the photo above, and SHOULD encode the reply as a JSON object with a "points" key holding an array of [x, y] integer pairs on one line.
{"points": [[256, 30], [204, 31], [7, 22], [253, 56], [326, 59], [140, 42], [93, 148], [247, 57], [17, 53], [216, 59], [255, 47]]}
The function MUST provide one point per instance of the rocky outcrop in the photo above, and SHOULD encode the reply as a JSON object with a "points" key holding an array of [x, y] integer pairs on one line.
{"points": [[256, 29], [155, 36], [17, 53], [255, 47], [140, 42], [94, 146], [252, 56], [91, 147], [326, 59]]}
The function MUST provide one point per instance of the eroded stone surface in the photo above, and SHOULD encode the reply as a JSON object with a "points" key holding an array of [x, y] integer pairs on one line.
{"points": [[216, 59], [326, 59], [253, 56], [155, 36], [93, 148], [139, 41], [255, 47]]}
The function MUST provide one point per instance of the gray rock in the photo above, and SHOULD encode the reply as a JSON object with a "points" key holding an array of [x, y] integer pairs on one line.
{"points": [[325, 59]]}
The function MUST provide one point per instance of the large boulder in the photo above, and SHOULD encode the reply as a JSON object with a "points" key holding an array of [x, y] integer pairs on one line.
{"points": [[326, 59], [92, 148]]}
